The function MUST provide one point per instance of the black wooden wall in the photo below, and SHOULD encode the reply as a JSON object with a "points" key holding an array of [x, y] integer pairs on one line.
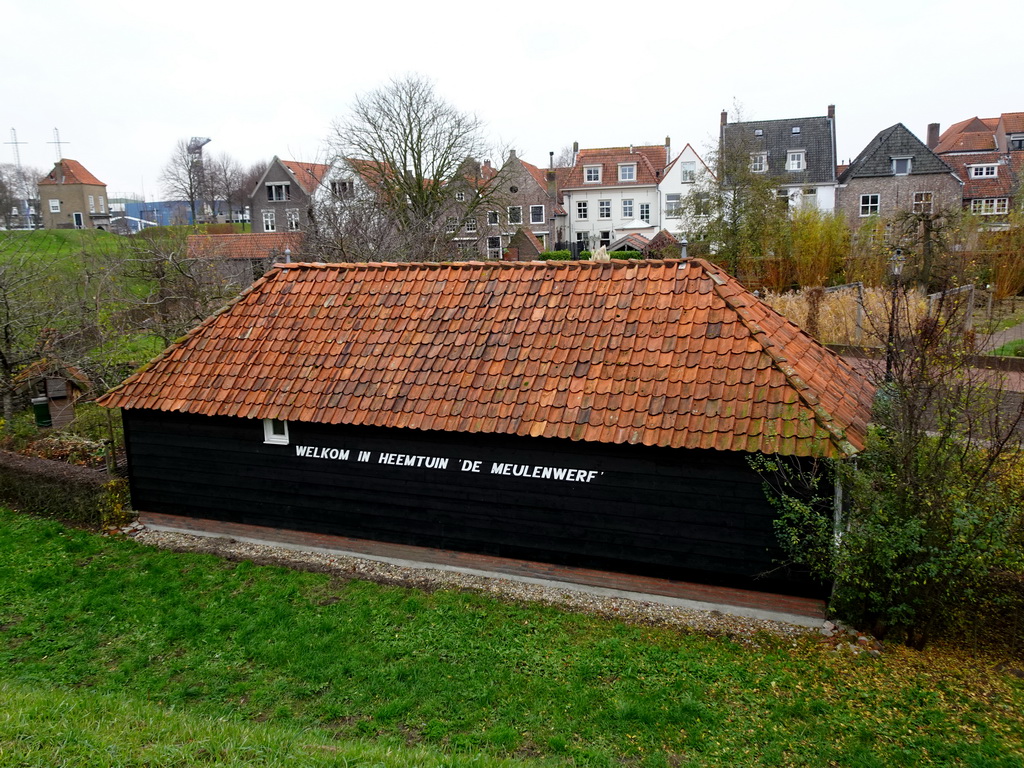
{"points": [[697, 515]]}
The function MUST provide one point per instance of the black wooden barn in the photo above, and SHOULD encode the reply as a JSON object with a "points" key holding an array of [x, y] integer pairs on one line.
{"points": [[570, 412]]}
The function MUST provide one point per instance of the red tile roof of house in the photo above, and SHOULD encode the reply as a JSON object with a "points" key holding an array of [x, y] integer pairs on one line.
{"points": [[666, 353], [1012, 122], [252, 245], [70, 172], [1007, 173], [650, 164], [309, 175]]}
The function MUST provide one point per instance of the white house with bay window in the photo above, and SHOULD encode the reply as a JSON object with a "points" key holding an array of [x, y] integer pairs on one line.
{"points": [[615, 192]]}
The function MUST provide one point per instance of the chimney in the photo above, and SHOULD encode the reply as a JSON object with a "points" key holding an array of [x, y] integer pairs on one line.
{"points": [[551, 159], [575, 151], [725, 117], [668, 150], [933, 136], [831, 111], [511, 156]]}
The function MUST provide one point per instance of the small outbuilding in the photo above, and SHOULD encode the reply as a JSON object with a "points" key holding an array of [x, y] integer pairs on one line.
{"points": [[595, 414]]}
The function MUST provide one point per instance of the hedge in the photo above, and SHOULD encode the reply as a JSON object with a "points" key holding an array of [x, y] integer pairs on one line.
{"points": [[76, 495]]}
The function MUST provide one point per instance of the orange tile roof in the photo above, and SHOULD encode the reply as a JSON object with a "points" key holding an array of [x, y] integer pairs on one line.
{"points": [[70, 172], [1003, 185], [309, 175], [251, 245], [666, 353], [1012, 122], [650, 164]]}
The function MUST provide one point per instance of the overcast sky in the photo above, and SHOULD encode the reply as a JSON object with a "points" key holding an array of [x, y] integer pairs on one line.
{"points": [[123, 82]]}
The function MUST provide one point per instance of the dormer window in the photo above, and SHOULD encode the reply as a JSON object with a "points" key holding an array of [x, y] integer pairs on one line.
{"points": [[758, 162], [901, 166], [276, 192], [592, 174], [795, 160], [627, 172], [460, 197], [1016, 141], [795, 130], [275, 432], [984, 171]]}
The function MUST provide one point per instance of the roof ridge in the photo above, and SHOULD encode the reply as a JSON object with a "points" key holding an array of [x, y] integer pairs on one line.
{"points": [[823, 418]]}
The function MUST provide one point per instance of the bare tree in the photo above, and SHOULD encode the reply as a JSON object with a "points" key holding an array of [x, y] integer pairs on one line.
{"points": [[413, 152], [19, 194], [224, 182], [183, 176]]}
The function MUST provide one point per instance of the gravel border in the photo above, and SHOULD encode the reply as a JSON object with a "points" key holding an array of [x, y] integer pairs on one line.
{"points": [[710, 622]]}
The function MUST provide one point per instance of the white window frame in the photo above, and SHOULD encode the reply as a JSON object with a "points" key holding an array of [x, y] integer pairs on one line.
{"points": [[923, 202], [492, 218], [796, 160], [910, 166], [92, 204], [278, 191], [269, 222], [103, 205], [537, 214], [984, 171], [627, 172], [673, 202], [591, 174], [451, 224], [494, 247], [460, 197], [515, 214], [469, 225], [292, 217], [688, 171], [275, 432], [644, 212], [582, 210], [870, 204], [604, 209], [627, 209], [990, 206], [758, 162], [54, 206]]}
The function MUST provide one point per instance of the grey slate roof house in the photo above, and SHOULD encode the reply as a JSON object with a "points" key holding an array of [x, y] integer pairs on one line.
{"points": [[799, 152], [896, 172]]}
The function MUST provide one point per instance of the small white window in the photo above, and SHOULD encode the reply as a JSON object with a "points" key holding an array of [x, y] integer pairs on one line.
{"points": [[795, 130], [689, 171], [901, 166], [627, 209], [460, 197], [759, 132], [990, 206], [592, 174], [868, 205], [922, 202], [515, 214], [581, 209], [758, 162], [275, 431], [451, 224], [292, 215], [536, 214], [276, 192], [604, 209], [470, 225], [984, 171], [92, 204], [795, 160], [627, 172], [103, 205], [673, 201], [494, 247], [492, 218], [645, 212], [55, 206]]}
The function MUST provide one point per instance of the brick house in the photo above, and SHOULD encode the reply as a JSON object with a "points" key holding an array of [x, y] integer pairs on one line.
{"points": [[896, 172], [72, 198], [282, 199], [988, 155]]}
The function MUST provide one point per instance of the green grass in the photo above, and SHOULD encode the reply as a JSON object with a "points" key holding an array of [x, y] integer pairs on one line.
{"points": [[1010, 349], [222, 653]]}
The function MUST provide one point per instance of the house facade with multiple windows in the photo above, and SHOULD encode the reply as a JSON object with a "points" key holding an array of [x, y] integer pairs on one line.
{"points": [[72, 198], [988, 155], [283, 197], [896, 172], [798, 153], [615, 194]]}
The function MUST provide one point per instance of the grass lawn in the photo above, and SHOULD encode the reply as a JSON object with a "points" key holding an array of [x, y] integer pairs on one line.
{"points": [[1011, 349], [146, 657]]}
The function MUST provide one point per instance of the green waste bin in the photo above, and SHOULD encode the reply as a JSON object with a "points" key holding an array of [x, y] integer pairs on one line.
{"points": [[41, 409]]}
